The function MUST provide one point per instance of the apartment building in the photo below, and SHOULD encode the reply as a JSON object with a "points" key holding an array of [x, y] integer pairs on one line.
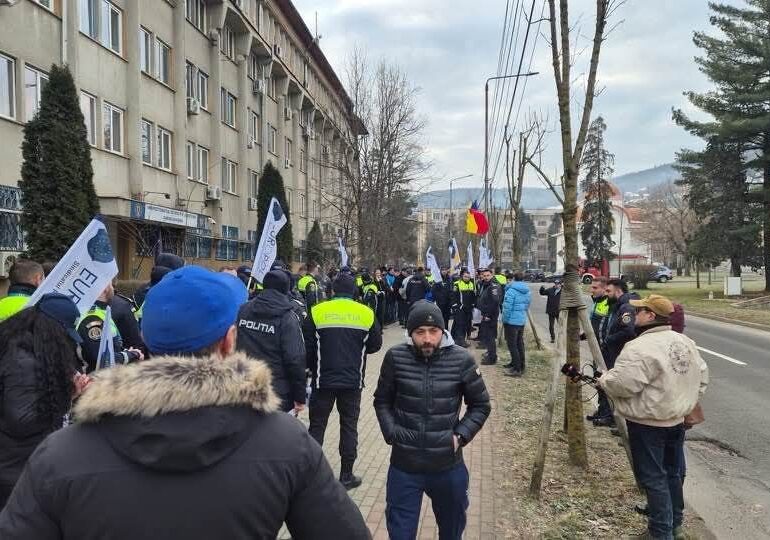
{"points": [[184, 101]]}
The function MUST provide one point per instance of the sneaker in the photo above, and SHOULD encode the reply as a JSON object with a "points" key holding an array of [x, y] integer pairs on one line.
{"points": [[592, 417], [604, 421], [641, 509], [512, 373], [509, 365], [350, 481], [488, 362]]}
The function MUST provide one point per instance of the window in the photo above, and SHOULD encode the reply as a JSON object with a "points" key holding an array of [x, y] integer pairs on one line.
{"points": [[253, 127], [146, 130], [253, 183], [229, 175], [190, 159], [203, 165], [288, 149], [145, 50], [542, 223], [7, 87], [103, 22], [164, 149], [227, 248], [46, 4], [272, 139], [436, 216], [254, 67], [228, 108], [289, 197], [88, 106], [195, 11], [227, 42], [113, 128], [203, 89], [34, 81], [162, 61], [270, 81], [302, 205], [191, 82], [302, 160], [315, 210]]}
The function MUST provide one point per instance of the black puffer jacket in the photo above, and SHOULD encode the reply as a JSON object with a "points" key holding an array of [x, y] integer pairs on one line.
{"points": [[418, 405], [180, 448], [23, 420], [269, 329]]}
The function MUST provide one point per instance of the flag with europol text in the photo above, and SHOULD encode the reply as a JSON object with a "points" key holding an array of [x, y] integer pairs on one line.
{"points": [[85, 270], [267, 249], [343, 252], [455, 262]]}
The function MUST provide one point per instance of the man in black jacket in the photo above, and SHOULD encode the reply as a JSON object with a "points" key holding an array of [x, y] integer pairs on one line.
{"points": [[269, 329], [442, 294], [342, 333], [417, 287], [463, 302], [186, 445], [490, 299], [401, 305], [421, 387], [615, 331], [552, 305]]}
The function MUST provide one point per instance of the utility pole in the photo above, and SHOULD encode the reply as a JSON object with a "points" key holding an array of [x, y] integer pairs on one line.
{"points": [[486, 130], [451, 202]]}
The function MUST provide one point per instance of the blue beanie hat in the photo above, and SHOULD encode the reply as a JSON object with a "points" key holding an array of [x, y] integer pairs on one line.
{"points": [[190, 309]]}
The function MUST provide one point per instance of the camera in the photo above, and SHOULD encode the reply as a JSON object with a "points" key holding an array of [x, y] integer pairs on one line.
{"points": [[576, 375]]}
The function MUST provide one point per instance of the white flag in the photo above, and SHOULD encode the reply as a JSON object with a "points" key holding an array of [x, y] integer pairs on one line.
{"points": [[471, 266], [106, 344], [267, 248], [343, 253], [84, 271], [485, 259], [432, 264], [455, 263]]}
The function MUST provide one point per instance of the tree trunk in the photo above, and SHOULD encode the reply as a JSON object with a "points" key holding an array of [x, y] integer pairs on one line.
{"points": [[766, 214], [697, 275]]}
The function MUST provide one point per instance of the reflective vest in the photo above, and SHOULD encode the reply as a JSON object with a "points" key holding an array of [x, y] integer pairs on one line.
{"points": [[501, 279], [602, 309], [304, 281], [342, 313], [371, 287], [101, 314], [12, 304], [465, 287], [359, 281], [138, 313], [431, 279]]}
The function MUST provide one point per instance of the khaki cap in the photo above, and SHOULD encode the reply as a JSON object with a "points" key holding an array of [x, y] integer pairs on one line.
{"points": [[660, 305]]}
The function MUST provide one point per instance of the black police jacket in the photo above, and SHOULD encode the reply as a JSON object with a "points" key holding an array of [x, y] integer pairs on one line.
{"points": [[269, 329], [490, 299], [417, 288], [418, 405], [442, 295], [180, 448], [617, 328]]}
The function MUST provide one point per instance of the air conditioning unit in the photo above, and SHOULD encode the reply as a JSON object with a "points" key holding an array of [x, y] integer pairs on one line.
{"points": [[287, 163], [7, 260], [250, 143], [277, 50], [193, 105], [213, 193], [288, 114], [253, 204], [258, 87]]}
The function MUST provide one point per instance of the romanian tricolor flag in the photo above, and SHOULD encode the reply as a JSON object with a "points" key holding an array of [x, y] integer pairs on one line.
{"points": [[476, 222]]}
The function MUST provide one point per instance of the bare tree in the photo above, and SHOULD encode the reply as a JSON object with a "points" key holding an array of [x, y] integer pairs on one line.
{"points": [[378, 163]]}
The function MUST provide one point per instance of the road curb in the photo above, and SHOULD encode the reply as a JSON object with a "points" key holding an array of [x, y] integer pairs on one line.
{"points": [[756, 326]]}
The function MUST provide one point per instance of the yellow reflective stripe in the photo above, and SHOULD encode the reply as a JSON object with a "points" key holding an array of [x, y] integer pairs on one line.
{"points": [[304, 281], [371, 287], [11, 305], [602, 308], [342, 313], [462, 286]]}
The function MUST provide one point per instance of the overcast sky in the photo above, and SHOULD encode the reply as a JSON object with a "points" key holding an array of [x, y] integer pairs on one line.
{"points": [[449, 47]]}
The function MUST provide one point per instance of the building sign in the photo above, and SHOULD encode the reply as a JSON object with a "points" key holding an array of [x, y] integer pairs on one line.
{"points": [[171, 216]]}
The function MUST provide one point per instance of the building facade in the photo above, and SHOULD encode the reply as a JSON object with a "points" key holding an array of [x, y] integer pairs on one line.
{"points": [[184, 101]]}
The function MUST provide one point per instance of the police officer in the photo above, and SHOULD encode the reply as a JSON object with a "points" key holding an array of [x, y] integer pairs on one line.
{"points": [[164, 264], [343, 333], [616, 329], [500, 277], [25, 277], [270, 330], [442, 294], [91, 327], [417, 287], [490, 298], [370, 292], [308, 285], [463, 302]]}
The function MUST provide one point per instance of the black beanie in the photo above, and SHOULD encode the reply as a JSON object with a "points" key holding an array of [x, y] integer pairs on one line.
{"points": [[344, 285], [169, 260], [278, 280], [424, 313]]}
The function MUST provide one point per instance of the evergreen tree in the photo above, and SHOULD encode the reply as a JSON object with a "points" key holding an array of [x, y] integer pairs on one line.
{"points": [[596, 217], [271, 185], [526, 234], [314, 252], [57, 189], [737, 61], [718, 193]]}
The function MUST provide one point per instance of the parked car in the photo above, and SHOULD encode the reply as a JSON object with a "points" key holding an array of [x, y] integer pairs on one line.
{"points": [[662, 274], [553, 277], [534, 275]]}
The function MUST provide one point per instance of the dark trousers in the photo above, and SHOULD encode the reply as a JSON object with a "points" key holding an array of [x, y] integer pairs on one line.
{"points": [[403, 311], [448, 491], [514, 338], [552, 318], [462, 322], [348, 407], [658, 465], [488, 338], [604, 402]]}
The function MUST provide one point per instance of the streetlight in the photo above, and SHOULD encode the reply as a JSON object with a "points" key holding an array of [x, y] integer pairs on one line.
{"points": [[486, 129], [451, 204]]}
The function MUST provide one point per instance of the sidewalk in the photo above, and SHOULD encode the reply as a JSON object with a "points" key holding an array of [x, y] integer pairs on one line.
{"points": [[374, 456]]}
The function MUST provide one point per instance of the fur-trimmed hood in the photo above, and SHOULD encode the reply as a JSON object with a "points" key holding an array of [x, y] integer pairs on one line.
{"points": [[178, 413], [176, 384]]}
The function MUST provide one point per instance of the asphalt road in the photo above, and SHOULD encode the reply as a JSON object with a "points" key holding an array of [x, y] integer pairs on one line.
{"points": [[728, 480]]}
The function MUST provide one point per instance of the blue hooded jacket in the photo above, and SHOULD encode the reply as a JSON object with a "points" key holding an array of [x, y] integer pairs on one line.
{"points": [[516, 303]]}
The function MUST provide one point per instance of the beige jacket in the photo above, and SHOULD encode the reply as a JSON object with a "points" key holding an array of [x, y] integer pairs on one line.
{"points": [[657, 379]]}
